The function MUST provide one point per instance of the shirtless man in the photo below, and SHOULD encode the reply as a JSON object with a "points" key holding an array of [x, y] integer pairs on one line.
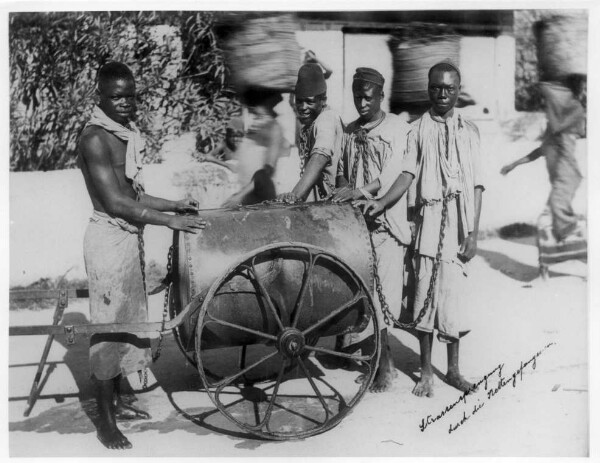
{"points": [[110, 149]]}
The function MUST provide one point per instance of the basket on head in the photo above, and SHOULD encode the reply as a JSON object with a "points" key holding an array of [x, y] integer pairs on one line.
{"points": [[562, 44], [262, 52]]}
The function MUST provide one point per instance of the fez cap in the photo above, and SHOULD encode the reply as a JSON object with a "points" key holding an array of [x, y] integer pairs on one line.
{"points": [[446, 63], [369, 75], [311, 81]]}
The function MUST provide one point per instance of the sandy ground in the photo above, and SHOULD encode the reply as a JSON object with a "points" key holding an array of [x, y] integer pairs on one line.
{"points": [[514, 316]]}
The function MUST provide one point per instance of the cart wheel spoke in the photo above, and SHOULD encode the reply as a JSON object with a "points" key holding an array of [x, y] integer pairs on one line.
{"points": [[265, 294], [218, 321], [227, 381], [305, 283], [328, 412], [358, 358], [335, 313], [267, 418]]}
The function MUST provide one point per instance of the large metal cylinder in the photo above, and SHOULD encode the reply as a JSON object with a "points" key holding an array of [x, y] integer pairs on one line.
{"points": [[229, 235]]}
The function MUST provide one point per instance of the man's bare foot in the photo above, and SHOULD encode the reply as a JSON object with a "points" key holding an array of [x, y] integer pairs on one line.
{"points": [[124, 412], [385, 372], [112, 438], [424, 388], [456, 380]]}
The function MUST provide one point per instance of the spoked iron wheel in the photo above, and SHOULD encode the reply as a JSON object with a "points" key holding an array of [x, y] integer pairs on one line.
{"points": [[292, 300]]}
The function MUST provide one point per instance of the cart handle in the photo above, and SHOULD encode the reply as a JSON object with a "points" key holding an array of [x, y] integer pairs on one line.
{"points": [[71, 330]]}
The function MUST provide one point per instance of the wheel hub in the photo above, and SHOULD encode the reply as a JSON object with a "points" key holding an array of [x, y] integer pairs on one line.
{"points": [[291, 342]]}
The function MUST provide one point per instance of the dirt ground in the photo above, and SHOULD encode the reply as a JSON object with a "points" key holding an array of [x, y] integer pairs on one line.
{"points": [[517, 319]]}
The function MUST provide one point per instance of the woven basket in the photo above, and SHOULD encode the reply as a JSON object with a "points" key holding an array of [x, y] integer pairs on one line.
{"points": [[412, 60], [263, 52], [562, 45]]}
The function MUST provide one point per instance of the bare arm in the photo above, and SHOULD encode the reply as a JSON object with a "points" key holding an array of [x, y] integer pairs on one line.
{"points": [[395, 192], [275, 147], [312, 171], [96, 156], [536, 153], [166, 205], [397, 189], [346, 193], [468, 248], [237, 198]]}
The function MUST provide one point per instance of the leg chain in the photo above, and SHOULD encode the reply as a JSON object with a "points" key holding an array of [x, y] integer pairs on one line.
{"points": [[168, 281], [143, 374], [388, 318]]}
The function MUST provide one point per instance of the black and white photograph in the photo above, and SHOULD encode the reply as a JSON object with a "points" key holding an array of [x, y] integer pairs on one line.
{"points": [[271, 230]]}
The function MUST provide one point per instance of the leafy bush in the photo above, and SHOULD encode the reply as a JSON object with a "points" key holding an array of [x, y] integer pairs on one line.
{"points": [[181, 79], [527, 97]]}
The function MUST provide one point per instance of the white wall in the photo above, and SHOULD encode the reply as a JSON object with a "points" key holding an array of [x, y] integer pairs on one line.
{"points": [[477, 62], [487, 66], [505, 71]]}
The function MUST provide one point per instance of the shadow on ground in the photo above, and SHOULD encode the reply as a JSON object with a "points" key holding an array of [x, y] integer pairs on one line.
{"points": [[512, 268]]}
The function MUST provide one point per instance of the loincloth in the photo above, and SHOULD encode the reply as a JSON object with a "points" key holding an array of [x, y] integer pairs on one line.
{"points": [[113, 252], [445, 312]]}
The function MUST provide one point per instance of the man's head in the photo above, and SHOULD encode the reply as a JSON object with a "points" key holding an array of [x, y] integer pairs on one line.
{"points": [[367, 90], [116, 92], [310, 93], [444, 86]]}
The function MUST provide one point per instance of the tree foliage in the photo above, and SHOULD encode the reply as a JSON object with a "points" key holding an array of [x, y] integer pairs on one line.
{"points": [[527, 97], [179, 69]]}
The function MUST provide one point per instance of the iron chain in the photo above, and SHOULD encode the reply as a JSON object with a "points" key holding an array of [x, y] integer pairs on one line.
{"points": [[168, 281], [388, 318], [144, 378], [143, 373]]}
